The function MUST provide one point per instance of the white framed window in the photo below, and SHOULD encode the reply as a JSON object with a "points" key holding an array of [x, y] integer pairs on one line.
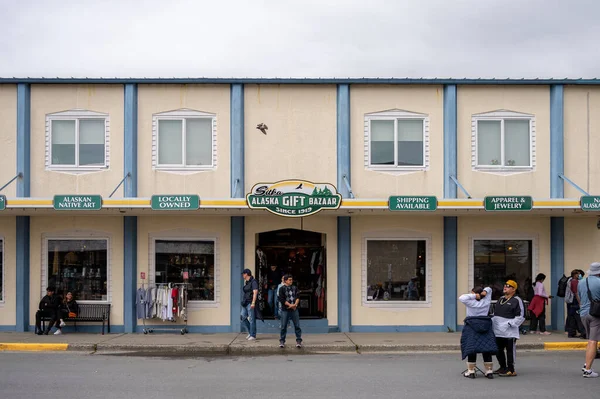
{"points": [[396, 270], [503, 141], [184, 140], [173, 253], [77, 141], [78, 262], [397, 141], [1, 270]]}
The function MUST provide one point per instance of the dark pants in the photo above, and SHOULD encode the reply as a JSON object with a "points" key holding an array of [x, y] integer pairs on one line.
{"points": [[535, 320], [45, 313], [487, 357], [508, 360], [293, 315], [574, 323]]}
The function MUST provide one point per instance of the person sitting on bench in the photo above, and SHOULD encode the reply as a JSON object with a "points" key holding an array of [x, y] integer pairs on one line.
{"points": [[68, 309], [48, 308]]}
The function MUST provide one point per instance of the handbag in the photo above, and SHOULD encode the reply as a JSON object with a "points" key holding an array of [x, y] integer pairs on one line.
{"points": [[594, 305], [71, 314]]}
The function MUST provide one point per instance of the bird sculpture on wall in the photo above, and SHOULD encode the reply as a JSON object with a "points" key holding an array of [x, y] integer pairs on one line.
{"points": [[262, 127]]}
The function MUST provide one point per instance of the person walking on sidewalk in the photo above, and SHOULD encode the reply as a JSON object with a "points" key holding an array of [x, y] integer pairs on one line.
{"points": [[573, 322], [509, 314], [589, 294], [478, 335], [289, 299], [249, 295], [537, 307]]}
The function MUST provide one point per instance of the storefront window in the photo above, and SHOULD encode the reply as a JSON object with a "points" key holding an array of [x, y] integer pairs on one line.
{"points": [[496, 261], [80, 267], [396, 270], [1, 270], [196, 258]]}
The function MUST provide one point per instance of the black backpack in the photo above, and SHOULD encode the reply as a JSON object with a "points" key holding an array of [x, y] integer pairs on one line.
{"points": [[562, 286]]}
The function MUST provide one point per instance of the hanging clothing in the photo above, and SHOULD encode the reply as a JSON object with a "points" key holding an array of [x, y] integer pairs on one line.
{"points": [[148, 303], [140, 302]]}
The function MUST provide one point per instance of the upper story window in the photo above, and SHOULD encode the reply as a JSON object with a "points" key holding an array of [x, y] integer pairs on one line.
{"points": [[184, 140], [397, 141], [503, 141], [77, 140]]}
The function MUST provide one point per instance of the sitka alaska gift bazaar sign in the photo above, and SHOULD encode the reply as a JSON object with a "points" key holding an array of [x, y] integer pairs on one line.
{"points": [[294, 198]]}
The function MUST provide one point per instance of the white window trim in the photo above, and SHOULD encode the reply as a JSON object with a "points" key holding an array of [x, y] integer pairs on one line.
{"points": [[187, 235], [78, 235], [2, 268], [77, 114], [502, 115], [504, 235], [183, 114], [395, 115], [398, 235]]}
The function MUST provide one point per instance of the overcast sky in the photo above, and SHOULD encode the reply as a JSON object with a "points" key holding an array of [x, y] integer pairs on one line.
{"points": [[302, 38]]}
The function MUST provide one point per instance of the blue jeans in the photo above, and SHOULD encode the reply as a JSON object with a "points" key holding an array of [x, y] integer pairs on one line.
{"points": [[273, 301], [249, 320], [295, 317]]}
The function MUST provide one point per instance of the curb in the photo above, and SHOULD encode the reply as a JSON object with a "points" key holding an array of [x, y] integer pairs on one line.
{"points": [[566, 346], [23, 347]]}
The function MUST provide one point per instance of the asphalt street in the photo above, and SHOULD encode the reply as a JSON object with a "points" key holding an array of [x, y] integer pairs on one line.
{"points": [[75, 375]]}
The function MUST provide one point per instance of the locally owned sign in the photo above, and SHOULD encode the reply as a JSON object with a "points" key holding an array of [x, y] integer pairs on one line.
{"points": [[77, 202], [2, 202], [508, 203], [412, 203], [294, 198], [590, 203], [172, 202]]}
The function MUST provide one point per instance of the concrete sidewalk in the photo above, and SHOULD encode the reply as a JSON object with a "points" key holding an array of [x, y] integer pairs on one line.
{"points": [[236, 344]]}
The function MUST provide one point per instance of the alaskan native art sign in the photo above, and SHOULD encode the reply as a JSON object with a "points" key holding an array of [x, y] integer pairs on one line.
{"points": [[2, 202], [294, 198], [588, 203], [77, 202]]}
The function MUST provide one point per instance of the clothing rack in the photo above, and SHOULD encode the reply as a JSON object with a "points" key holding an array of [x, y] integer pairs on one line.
{"points": [[151, 310]]}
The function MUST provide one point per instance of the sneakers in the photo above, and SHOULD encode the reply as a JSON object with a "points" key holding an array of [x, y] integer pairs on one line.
{"points": [[251, 338], [545, 333], [281, 344], [469, 374], [489, 375], [62, 323], [501, 370], [508, 373], [299, 344], [58, 332], [248, 336], [590, 374]]}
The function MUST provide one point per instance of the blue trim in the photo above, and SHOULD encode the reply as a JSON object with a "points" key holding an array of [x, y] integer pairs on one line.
{"points": [[450, 271], [237, 141], [22, 283], [8, 328], [23, 139], [129, 272], [237, 265], [557, 144], [343, 139], [369, 81], [310, 326], [450, 141], [344, 236], [191, 329], [401, 329], [131, 140], [557, 268]]}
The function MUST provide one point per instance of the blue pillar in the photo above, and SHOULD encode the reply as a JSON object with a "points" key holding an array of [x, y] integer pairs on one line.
{"points": [[450, 140], [557, 224], [130, 222], [344, 222], [23, 190], [237, 191]]}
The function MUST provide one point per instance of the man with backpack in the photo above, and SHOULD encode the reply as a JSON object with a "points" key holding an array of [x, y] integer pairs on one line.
{"points": [[573, 302], [589, 295]]}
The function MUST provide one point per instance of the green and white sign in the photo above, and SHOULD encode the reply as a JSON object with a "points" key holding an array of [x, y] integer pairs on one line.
{"points": [[171, 202], [412, 203], [590, 203], [508, 203], [294, 198], [2, 202], [77, 202]]}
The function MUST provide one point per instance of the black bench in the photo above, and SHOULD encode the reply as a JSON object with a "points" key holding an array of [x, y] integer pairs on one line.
{"points": [[88, 313]]}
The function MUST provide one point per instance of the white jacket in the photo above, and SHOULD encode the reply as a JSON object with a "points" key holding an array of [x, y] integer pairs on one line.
{"points": [[477, 308], [508, 317]]}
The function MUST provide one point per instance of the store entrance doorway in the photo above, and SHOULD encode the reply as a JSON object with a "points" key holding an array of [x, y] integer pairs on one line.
{"points": [[300, 253]]}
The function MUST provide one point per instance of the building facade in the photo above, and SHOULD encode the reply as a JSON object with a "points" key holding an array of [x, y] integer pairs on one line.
{"points": [[386, 199]]}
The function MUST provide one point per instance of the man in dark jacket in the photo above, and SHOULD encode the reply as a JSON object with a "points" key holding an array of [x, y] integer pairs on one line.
{"points": [[249, 297], [48, 307], [289, 299]]}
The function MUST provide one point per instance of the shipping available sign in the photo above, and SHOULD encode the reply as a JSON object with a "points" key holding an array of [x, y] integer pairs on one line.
{"points": [[294, 198], [77, 202], [175, 202], [2, 202], [412, 203], [508, 203], [590, 203]]}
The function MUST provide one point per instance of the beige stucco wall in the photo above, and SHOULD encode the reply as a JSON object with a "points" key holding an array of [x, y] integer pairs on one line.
{"points": [[502, 227], [404, 315], [169, 227], [301, 139], [582, 243], [8, 304], [524, 99], [8, 138], [48, 99], [153, 99], [318, 223], [81, 227], [582, 140], [419, 99]]}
